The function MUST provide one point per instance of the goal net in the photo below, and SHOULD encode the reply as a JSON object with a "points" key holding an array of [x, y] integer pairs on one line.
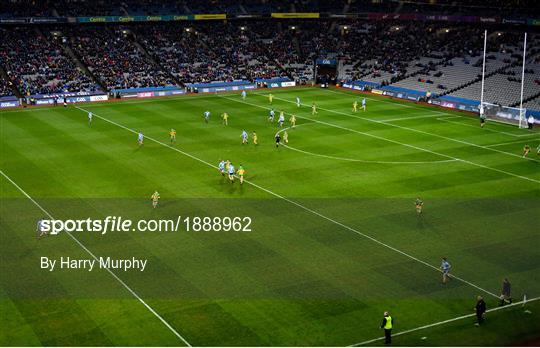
{"points": [[505, 114]]}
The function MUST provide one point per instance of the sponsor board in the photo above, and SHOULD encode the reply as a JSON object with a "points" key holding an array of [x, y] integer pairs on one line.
{"points": [[210, 16], [288, 84], [225, 88], [376, 91], [99, 97], [9, 104], [296, 15], [149, 94], [73, 100], [448, 105]]}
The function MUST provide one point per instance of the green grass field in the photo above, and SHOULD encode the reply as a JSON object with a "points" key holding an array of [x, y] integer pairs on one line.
{"points": [[335, 238]]}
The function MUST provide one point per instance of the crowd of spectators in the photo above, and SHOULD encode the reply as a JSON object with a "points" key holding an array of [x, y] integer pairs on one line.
{"points": [[114, 59], [162, 54], [35, 63], [206, 52], [5, 89]]}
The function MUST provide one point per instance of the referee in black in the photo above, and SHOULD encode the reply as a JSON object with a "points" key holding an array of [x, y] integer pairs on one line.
{"points": [[387, 324]]}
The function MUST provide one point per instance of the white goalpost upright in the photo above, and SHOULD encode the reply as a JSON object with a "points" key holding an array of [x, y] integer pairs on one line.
{"points": [[483, 74], [502, 113], [522, 121]]}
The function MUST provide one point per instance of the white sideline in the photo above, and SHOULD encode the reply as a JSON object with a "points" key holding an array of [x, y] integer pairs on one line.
{"points": [[410, 118], [95, 258], [511, 142], [295, 203], [397, 142], [434, 135], [445, 322]]}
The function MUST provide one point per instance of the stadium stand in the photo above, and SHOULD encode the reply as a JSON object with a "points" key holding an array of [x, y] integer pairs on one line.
{"points": [[430, 57], [36, 63], [114, 58]]}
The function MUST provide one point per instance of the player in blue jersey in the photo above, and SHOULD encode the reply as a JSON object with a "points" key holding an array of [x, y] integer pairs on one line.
{"points": [[445, 269], [244, 137], [231, 172], [281, 118], [221, 167], [140, 139], [271, 116]]}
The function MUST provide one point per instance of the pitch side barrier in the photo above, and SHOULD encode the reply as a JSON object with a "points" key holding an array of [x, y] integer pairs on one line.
{"points": [[390, 91], [9, 102], [147, 92], [221, 86], [277, 82], [68, 97]]}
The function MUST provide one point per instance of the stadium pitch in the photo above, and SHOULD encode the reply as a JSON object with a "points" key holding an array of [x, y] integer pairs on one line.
{"points": [[324, 234]]}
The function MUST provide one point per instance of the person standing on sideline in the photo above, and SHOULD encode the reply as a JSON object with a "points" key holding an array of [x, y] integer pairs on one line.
{"points": [[387, 324], [505, 293], [530, 122], [480, 310], [445, 269]]}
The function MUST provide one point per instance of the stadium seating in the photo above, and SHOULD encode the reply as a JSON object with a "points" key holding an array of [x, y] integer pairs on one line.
{"points": [[116, 60], [36, 63], [429, 57]]}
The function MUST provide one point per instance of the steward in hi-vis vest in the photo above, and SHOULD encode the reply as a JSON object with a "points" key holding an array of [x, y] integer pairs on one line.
{"points": [[387, 324]]}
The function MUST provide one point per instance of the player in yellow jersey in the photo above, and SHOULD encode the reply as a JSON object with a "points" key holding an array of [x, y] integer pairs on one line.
{"points": [[292, 120], [155, 199], [241, 173], [172, 135], [526, 150], [355, 106], [255, 138], [419, 205], [225, 118], [313, 109], [285, 137], [270, 98]]}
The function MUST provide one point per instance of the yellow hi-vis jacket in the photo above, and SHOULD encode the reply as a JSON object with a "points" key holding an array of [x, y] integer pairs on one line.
{"points": [[388, 324]]}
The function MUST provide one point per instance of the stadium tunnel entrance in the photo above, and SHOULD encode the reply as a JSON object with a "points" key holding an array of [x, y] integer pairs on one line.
{"points": [[326, 72]]}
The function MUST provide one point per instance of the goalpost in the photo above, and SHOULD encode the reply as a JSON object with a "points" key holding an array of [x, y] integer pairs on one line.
{"points": [[501, 113]]}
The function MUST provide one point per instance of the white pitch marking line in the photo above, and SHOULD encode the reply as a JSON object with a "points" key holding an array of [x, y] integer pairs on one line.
{"points": [[353, 159], [434, 135], [438, 112], [513, 142], [445, 119], [410, 118], [95, 258], [296, 204], [351, 130], [394, 141], [444, 322]]}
